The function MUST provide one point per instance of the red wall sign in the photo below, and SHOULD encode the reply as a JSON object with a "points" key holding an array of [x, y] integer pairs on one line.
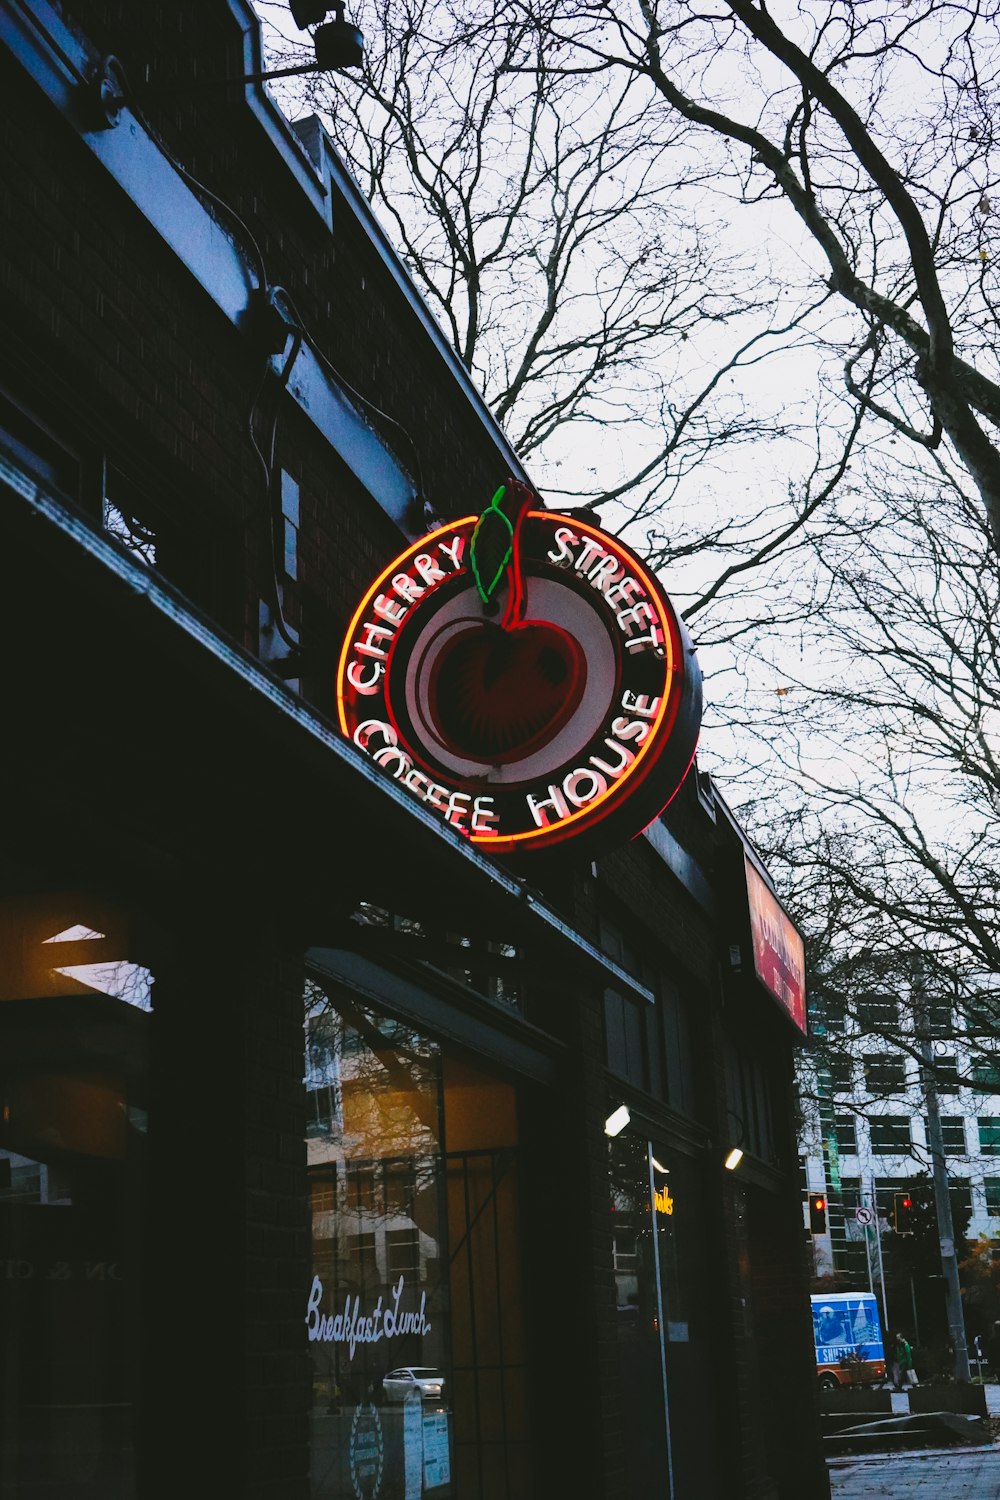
{"points": [[779, 955], [523, 673]]}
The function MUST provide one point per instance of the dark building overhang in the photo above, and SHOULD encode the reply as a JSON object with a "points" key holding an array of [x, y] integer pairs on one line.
{"points": [[109, 671]]}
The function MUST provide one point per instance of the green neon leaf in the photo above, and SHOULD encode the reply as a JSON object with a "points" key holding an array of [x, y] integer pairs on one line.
{"points": [[491, 547]]}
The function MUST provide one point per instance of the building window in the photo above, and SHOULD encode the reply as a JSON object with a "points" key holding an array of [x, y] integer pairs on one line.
{"points": [[840, 1074], [127, 529], [360, 1187], [137, 521], [633, 1031], [402, 1249], [321, 1194], [884, 1072], [29, 448], [832, 1017], [989, 1135], [961, 1203], [406, 1225], [624, 1241], [940, 1020], [992, 1186], [488, 968], [845, 1133], [77, 1040], [485, 967], [20, 1184], [361, 1254], [400, 1188], [953, 1134], [876, 1015], [944, 1074], [983, 1017], [986, 1074], [890, 1134], [680, 1071], [749, 1097]]}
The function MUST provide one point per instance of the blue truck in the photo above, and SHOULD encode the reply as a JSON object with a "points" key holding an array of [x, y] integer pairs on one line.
{"points": [[848, 1338]]}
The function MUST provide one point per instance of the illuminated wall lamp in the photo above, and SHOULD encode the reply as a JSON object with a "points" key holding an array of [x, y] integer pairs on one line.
{"points": [[735, 1154], [617, 1120]]}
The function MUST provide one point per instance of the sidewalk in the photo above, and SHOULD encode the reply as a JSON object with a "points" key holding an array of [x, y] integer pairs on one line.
{"points": [[900, 1402], [941, 1473], [944, 1474]]}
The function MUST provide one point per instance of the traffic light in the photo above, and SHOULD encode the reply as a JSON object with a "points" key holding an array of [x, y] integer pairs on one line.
{"points": [[902, 1213], [817, 1213]]}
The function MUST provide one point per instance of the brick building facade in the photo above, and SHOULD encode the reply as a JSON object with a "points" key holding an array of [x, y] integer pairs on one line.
{"points": [[280, 1047]]}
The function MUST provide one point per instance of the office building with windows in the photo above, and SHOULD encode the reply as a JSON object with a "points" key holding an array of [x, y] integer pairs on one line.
{"points": [[865, 1137]]}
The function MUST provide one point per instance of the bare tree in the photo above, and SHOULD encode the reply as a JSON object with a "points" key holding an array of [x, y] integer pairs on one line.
{"points": [[568, 235], [876, 128], [890, 730]]}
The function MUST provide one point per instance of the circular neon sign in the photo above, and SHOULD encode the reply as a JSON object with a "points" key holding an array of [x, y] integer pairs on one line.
{"points": [[523, 674]]}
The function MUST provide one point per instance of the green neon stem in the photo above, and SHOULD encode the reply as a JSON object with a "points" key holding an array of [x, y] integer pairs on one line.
{"points": [[485, 522]]}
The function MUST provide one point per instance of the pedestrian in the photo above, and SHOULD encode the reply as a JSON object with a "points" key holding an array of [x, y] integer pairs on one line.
{"points": [[993, 1349], [901, 1363]]}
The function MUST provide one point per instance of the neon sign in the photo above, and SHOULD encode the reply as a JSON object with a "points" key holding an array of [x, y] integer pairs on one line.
{"points": [[353, 1327], [523, 674], [779, 956], [662, 1201]]}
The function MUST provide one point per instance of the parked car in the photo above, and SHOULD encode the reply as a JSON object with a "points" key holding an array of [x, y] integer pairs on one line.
{"points": [[421, 1380]]}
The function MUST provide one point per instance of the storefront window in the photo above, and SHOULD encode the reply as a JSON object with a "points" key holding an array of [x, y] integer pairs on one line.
{"points": [[692, 1318], [414, 1313], [644, 1416], [667, 1316], [75, 1011]]}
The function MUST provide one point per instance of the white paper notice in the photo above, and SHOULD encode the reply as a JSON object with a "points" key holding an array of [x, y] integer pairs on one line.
{"points": [[413, 1447], [437, 1460]]}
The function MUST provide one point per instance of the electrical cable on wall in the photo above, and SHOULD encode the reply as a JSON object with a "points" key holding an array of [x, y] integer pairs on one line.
{"points": [[268, 468], [346, 385], [199, 187]]}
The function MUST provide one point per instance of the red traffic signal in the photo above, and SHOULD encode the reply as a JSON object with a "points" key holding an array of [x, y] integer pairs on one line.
{"points": [[902, 1213], [817, 1213]]}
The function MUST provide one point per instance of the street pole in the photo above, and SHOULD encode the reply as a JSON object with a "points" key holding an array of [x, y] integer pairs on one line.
{"points": [[660, 1320], [868, 1248], [881, 1267], [939, 1176], [913, 1300]]}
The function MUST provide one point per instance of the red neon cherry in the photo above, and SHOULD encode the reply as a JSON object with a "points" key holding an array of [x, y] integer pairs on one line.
{"points": [[498, 694]]}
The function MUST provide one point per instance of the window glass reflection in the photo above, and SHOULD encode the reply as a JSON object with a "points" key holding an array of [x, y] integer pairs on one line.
{"points": [[377, 1310], [75, 1006], [641, 1357], [691, 1309]]}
